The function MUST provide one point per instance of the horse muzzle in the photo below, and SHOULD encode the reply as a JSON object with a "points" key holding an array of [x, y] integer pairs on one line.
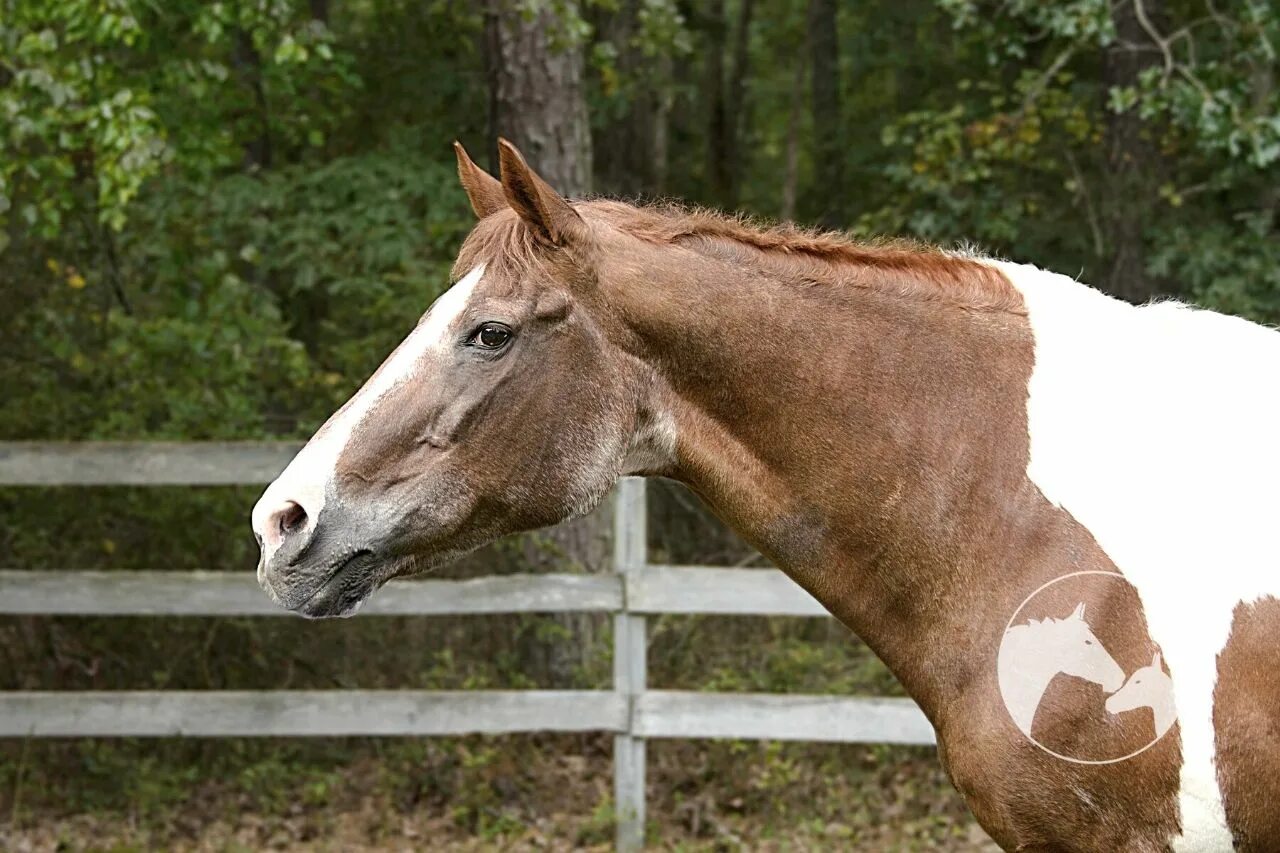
{"points": [[316, 566]]}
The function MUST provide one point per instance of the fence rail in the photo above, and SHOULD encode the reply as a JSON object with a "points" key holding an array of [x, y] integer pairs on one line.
{"points": [[305, 713], [153, 463], [159, 593], [340, 713], [636, 589]]}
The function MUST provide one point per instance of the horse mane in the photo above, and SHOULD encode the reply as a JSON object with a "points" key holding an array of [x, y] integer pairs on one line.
{"points": [[906, 268]]}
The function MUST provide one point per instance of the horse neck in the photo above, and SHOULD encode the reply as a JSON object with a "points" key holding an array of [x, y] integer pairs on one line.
{"points": [[872, 445]]}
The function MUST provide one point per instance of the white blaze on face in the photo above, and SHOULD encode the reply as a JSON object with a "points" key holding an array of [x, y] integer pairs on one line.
{"points": [[307, 478]]}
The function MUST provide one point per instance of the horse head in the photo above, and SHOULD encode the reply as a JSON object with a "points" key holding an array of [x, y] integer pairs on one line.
{"points": [[1080, 653], [510, 407], [1148, 687]]}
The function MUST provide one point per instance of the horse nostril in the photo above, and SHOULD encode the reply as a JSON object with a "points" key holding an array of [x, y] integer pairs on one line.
{"points": [[291, 518]]}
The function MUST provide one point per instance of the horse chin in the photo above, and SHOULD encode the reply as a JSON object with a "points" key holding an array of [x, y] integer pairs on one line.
{"points": [[347, 586], [325, 606], [340, 591]]}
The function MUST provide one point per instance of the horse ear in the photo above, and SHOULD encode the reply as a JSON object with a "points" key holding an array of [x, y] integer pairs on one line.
{"points": [[1155, 661], [542, 208], [483, 189], [1078, 613]]}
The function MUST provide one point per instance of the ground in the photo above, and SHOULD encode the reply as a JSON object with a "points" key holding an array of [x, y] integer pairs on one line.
{"points": [[515, 793]]}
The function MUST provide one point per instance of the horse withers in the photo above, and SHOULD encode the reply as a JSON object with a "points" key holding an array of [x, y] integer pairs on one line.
{"points": [[930, 443]]}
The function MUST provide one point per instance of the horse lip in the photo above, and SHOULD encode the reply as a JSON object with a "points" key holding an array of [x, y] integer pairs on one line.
{"points": [[304, 608]]}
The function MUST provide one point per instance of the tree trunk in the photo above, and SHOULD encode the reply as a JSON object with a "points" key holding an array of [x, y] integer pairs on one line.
{"points": [[828, 144], [537, 100], [245, 59], [1262, 83], [726, 99], [536, 93], [630, 145], [791, 177], [736, 101], [660, 127], [718, 177], [1132, 165]]}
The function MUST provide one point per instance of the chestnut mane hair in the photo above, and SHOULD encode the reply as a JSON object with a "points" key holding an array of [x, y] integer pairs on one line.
{"points": [[805, 256]]}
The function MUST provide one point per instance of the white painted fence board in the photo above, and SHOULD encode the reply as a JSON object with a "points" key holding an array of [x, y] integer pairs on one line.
{"points": [[630, 525], [656, 589], [704, 589], [151, 463], [630, 664], [153, 593], [310, 713], [629, 792], [333, 713], [771, 716]]}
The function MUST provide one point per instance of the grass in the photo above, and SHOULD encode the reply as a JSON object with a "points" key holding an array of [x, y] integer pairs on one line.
{"points": [[516, 792]]}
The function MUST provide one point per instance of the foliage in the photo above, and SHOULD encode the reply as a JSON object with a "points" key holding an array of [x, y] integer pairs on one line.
{"points": [[216, 218], [101, 94], [73, 117], [1021, 139], [200, 349]]}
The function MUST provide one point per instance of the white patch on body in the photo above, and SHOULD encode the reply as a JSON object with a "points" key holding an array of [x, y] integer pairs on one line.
{"points": [[1155, 427], [306, 480]]}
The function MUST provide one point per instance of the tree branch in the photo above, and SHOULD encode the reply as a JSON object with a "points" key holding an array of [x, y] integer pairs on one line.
{"points": [[1034, 93], [1091, 214], [1140, 11]]}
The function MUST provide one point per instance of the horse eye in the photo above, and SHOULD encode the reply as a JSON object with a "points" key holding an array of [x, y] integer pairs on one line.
{"points": [[1088, 642], [491, 336]]}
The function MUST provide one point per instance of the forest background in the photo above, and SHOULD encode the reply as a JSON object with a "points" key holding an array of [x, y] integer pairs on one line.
{"points": [[216, 218]]}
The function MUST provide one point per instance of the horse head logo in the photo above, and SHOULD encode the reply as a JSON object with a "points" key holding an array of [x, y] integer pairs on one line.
{"points": [[1035, 653], [1148, 687], [1080, 653]]}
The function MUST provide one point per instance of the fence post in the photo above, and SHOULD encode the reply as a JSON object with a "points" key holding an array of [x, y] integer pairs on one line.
{"points": [[629, 663]]}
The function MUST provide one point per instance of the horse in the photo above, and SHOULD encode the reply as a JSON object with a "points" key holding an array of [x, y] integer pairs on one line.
{"points": [[1033, 654], [1148, 687], [919, 438]]}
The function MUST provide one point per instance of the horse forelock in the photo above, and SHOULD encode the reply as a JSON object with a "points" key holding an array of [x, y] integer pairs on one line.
{"points": [[501, 242]]}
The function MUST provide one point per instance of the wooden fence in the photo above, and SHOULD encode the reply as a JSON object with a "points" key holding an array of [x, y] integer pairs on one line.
{"points": [[635, 590]]}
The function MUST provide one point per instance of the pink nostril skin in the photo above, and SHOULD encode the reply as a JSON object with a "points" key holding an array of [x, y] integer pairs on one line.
{"points": [[287, 520], [284, 519]]}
